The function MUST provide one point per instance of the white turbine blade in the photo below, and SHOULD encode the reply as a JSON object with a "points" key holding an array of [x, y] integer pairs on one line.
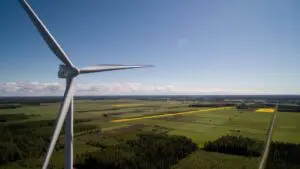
{"points": [[106, 67], [61, 118], [49, 39]]}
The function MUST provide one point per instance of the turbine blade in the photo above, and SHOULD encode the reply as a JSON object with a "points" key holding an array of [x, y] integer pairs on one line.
{"points": [[108, 67], [49, 39], [60, 120]]}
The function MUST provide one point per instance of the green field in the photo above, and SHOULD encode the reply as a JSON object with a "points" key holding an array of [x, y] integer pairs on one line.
{"points": [[200, 126], [203, 159]]}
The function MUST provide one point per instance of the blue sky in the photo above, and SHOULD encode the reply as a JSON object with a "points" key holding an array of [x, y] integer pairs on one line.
{"points": [[197, 47]]}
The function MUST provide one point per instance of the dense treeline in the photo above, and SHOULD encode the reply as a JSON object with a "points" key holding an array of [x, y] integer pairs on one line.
{"points": [[29, 100], [281, 108], [13, 117], [92, 110], [237, 145], [261, 105], [30, 138], [17, 144], [37, 124], [289, 108], [254, 105], [212, 105], [147, 151], [10, 106], [281, 155], [241, 106], [284, 156]]}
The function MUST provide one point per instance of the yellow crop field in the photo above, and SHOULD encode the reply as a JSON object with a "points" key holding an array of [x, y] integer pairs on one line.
{"points": [[265, 110], [127, 105], [167, 115]]}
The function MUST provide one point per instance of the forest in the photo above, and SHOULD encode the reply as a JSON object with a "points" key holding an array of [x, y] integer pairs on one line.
{"points": [[30, 138], [147, 151]]}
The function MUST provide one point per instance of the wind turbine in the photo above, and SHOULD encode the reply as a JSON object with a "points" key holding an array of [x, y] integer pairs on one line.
{"points": [[66, 71]]}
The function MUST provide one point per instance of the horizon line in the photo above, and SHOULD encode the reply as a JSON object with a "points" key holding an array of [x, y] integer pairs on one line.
{"points": [[125, 95]]}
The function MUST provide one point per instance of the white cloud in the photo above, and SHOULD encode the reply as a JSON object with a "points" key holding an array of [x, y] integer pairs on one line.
{"points": [[121, 88], [39, 89], [30, 88]]}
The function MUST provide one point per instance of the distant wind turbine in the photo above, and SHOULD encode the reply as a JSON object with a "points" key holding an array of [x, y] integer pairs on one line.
{"points": [[67, 71]]}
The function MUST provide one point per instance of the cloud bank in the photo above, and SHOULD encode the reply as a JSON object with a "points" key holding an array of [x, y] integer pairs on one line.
{"points": [[49, 89]]}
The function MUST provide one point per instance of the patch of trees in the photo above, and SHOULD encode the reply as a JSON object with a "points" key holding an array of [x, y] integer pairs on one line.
{"points": [[147, 151], [281, 155], [95, 144], [29, 100], [81, 120], [37, 124], [10, 106], [284, 156], [12, 117], [269, 105], [111, 114], [120, 113], [30, 139], [212, 105], [288, 108], [19, 144], [91, 110], [241, 106], [84, 127], [254, 105], [237, 145], [261, 105]]}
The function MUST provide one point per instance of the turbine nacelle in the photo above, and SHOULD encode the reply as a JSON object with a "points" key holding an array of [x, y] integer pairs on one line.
{"points": [[67, 72]]}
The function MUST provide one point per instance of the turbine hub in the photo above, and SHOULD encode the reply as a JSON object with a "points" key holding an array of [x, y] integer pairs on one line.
{"points": [[67, 71]]}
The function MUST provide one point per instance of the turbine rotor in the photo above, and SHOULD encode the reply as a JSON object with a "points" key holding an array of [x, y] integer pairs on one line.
{"points": [[67, 72]]}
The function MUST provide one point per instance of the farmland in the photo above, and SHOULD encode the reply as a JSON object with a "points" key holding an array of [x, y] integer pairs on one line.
{"points": [[104, 124]]}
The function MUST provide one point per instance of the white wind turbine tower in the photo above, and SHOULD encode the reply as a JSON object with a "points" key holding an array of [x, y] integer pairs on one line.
{"points": [[67, 71]]}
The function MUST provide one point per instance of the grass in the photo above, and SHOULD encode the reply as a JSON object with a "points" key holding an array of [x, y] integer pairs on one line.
{"points": [[165, 115], [210, 160], [287, 127]]}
